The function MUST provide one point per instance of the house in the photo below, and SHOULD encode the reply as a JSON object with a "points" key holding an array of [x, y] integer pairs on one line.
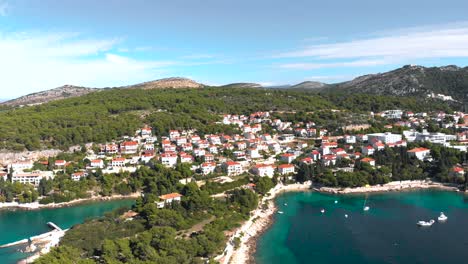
{"points": [[169, 148], [274, 147], [386, 137], [327, 146], [241, 145], [169, 159], [98, 163], [457, 172], [315, 155], [253, 153], [185, 158], [232, 168], [420, 153], [203, 144], [199, 152], [380, 146], [146, 156], [288, 157], [369, 161], [146, 131], [168, 199], [208, 157], [78, 175], [307, 160], [129, 147], [349, 139], [173, 134], [368, 150], [263, 170], [329, 160], [110, 149], [118, 162], [285, 169], [213, 149], [60, 163], [208, 167], [181, 141], [21, 165], [33, 178]]}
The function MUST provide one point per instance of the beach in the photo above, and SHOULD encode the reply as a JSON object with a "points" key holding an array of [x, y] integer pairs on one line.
{"points": [[258, 222], [261, 218], [36, 205]]}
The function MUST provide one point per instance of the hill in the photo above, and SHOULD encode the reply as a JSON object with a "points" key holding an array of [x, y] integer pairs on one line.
{"points": [[66, 91], [241, 85], [309, 85], [173, 82], [410, 80]]}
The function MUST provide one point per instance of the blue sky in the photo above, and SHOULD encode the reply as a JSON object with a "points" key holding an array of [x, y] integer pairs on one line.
{"points": [[48, 43]]}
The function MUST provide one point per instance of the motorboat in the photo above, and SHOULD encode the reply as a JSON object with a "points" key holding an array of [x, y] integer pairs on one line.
{"points": [[366, 208], [442, 217], [336, 201], [280, 212], [346, 216], [322, 211], [424, 223]]}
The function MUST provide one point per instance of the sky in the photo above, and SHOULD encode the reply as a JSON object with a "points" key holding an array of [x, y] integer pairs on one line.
{"points": [[48, 43]]}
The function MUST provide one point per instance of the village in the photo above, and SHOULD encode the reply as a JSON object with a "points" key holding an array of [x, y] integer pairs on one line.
{"points": [[223, 158]]}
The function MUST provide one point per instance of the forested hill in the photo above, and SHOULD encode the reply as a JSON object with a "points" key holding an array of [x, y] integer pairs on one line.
{"points": [[111, 113], [410, 80]]}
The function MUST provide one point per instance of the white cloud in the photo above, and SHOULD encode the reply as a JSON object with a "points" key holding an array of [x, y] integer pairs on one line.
{"points": [[446, 41], [32, 62]]}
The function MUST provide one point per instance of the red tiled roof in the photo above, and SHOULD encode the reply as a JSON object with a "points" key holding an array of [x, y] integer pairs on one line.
{"points": [[170, 196]]}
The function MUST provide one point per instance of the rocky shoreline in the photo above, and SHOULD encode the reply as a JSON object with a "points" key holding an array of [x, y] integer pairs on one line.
{"points": [[391, 187], [38, 206]]}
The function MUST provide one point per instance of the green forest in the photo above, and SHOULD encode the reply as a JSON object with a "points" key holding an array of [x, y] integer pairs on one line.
{"points": [[106, 115]]}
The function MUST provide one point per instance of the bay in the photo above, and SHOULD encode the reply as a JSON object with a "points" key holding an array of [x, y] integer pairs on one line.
{"points": [[19, 224], [387, 233]]}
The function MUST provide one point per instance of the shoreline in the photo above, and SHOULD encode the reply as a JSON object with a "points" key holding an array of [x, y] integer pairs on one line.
{"points": [[37, 206], [261, 219]]}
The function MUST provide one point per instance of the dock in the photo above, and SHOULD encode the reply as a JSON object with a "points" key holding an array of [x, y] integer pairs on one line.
{"points": [[55, 229]]}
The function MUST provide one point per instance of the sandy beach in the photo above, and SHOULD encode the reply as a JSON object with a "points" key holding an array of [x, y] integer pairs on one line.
{"points": [[261, 218], [36, 205]]}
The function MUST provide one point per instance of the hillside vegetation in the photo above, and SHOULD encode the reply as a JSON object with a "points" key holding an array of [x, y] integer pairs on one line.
{"points": [[104, 116]]}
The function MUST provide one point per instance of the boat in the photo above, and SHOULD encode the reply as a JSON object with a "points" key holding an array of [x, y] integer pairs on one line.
{"points": [[424, 223], [322, 211], [442, 217], [285, 204], [336, 201], [346, 216], [280, 212], [365, 207]]}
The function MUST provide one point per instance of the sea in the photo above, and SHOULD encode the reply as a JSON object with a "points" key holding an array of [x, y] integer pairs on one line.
{"points": [[386, 233], [16, 225]]}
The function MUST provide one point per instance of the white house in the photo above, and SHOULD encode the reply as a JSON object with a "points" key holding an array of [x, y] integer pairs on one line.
{"points": [[129, 147], [386, 137], [285, 169], [232, 168], [169, 159], [420, 153], [21, 165], [98, 163], [118, 162], [78, 175], [168, 199], [28, 178], [369, 161], [253, 153], [368, 150], [263, 170], [208, 167], [288, 157]]}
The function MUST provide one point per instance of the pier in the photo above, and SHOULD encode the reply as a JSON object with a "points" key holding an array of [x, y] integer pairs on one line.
{"points": [[55, 229]]}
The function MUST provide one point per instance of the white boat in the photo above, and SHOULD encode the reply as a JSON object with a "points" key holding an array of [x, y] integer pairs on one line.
{"points": [[322, 211], [442, 217], [285, 204], [280, 212], [346, 216], [336, 201], [366, 208], [424, 223]]}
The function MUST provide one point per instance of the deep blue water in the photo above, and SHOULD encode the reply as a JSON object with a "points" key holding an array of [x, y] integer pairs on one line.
{"points": [[387, 233]]}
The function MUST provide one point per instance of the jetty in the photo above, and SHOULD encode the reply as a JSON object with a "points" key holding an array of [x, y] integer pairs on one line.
{"points": [[55, 229]]}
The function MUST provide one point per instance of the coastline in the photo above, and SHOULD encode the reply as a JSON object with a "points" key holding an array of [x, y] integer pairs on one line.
{"points": [[261, 219], [37, 206]]}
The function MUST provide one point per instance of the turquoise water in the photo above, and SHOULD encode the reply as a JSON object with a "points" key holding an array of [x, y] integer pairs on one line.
{"points": [[387, 233], [17, 225]]}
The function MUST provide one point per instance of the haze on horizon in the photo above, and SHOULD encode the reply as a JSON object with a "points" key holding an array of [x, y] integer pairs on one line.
{"points": [[46, 44]]}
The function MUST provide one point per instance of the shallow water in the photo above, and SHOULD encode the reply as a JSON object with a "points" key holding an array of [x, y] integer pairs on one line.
{"points": [[20, 224]]}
